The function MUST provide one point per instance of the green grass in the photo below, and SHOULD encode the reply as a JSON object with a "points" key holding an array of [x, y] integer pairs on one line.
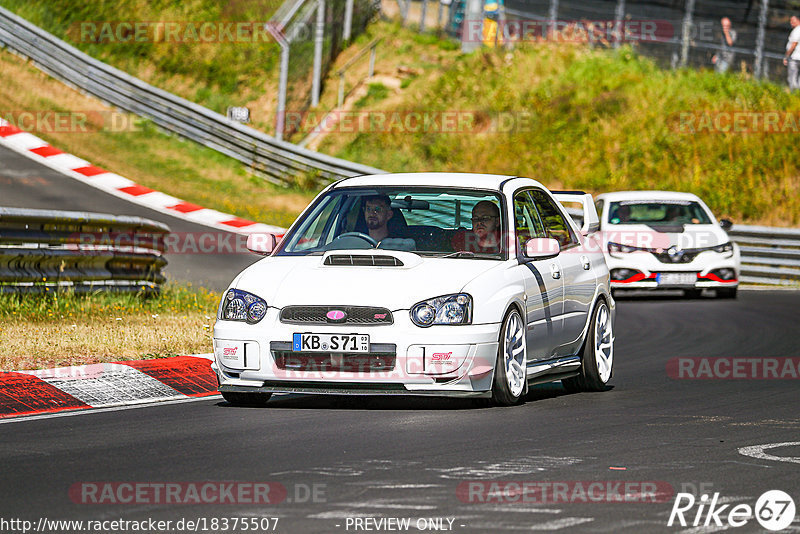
{"points": [[66, 304], [61, 329], [214, 74], [600, 121]]}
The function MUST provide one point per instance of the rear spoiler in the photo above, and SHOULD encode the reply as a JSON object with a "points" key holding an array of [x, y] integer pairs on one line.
{"points": [[591, 221]]}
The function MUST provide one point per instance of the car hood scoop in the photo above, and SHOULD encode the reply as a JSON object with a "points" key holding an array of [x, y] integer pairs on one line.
{"points": [[368, 260]]}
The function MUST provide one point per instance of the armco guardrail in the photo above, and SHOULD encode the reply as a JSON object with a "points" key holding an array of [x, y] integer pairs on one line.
{"points": [[769, 255], [41, 250], [277, 160]]}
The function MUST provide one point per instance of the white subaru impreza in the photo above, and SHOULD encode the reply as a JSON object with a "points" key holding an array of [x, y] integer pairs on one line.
{"points": [[421, 284]]}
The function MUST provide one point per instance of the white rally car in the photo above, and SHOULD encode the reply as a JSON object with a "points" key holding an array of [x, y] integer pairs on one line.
{"points": [[482, 287], [667, 240]]}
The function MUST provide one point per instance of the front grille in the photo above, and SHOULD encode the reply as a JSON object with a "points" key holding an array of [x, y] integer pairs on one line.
{"points": [[363, 260], [687, 256], [334, 362], [355, 315]]}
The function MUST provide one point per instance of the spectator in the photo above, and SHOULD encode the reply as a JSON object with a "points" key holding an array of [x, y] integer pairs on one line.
{"points": [[724, 59], [792, 57]]}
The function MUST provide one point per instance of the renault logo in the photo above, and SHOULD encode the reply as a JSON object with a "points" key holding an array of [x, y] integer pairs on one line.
{"points": [[675, 254]]}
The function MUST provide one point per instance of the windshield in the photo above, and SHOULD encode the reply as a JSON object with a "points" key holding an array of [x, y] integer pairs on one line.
{"points": [[657, 212], [462, 223]]}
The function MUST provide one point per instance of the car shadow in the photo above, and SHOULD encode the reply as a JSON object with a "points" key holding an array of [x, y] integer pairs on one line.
{"points": [[296, 401]]}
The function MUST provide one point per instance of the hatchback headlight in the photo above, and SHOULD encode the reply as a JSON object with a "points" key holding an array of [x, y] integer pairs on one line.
{"points": [[625, 249], [726, 247], [447, 309], [240, 305]]}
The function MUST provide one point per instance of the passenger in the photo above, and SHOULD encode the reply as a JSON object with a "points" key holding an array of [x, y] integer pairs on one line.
{"points": [[485, 234]]}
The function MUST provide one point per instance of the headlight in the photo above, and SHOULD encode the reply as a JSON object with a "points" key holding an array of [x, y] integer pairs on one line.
{"points": [[240, 305], [727, 247], [448, 309], [625, 249]]}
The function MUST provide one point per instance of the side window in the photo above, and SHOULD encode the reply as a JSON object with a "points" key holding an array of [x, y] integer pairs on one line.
{"points": [[527, 224], [312, 237], [555, 225]]}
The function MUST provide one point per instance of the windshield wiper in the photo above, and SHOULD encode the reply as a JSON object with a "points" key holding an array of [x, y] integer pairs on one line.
{"points": [[460, 254]]}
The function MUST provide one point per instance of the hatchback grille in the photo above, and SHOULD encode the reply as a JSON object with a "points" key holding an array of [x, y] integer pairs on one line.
{"points": [[354, 315], [686, 256], [363, 260]]}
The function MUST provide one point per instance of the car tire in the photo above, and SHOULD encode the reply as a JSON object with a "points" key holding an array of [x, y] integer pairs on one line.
{"points": [[246, 399], [726, 292], [510, 380], [597, 355]]}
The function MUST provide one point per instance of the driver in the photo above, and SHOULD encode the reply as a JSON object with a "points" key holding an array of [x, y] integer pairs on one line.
{"points": [[377, 212]]}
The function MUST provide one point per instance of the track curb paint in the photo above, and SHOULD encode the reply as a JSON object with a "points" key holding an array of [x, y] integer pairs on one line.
{"points": [[41, 151], [103, 385]]}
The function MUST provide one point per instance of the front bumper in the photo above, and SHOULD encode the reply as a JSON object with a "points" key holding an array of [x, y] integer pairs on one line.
{"points": [[403, 358], [646, 272]]}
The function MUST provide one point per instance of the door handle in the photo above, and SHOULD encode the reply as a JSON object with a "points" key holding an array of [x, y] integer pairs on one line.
{"points": [[555, 270], [586, 264]]}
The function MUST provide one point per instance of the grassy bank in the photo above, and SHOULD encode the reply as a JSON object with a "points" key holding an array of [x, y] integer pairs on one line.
{"points": [[596, 120], [216, 71], [136, 149], [43, 331]]}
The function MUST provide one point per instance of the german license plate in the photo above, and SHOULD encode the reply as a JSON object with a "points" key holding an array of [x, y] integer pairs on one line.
{"points": [[330, 343], [676, 279]]}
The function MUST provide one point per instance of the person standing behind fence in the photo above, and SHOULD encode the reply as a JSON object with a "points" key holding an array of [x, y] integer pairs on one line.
{"points": [[792, 57], [724, 58]]}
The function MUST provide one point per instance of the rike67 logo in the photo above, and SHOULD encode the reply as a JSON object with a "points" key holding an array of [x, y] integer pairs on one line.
{"points": [[774, 510]]}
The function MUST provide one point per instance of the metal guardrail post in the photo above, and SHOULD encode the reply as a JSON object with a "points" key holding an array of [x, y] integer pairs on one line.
{"points": [[423, 15], [341, 89], [758, 68], [348, 20], [619, 15], [372, 54], [686, 33], [319, 36], [552, 15]]}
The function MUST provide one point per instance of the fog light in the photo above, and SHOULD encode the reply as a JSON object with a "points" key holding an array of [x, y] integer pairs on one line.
{"points": [[725, 274], [623, 274]]}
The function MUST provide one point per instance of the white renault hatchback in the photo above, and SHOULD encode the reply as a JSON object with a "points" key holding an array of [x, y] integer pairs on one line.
{"points": [[442, 284], [667, 240]]}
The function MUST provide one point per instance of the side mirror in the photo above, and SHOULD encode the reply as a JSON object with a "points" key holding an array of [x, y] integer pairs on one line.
{"points": [[541, 248], [262, 244], [726, 224]]}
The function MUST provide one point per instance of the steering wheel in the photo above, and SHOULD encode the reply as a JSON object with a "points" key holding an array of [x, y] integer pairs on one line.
{"points": [[359, 235]]}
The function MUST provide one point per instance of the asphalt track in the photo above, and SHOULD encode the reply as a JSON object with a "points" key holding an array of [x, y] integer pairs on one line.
{"points": [[405, 458], [394, 457], [25, 183]]}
